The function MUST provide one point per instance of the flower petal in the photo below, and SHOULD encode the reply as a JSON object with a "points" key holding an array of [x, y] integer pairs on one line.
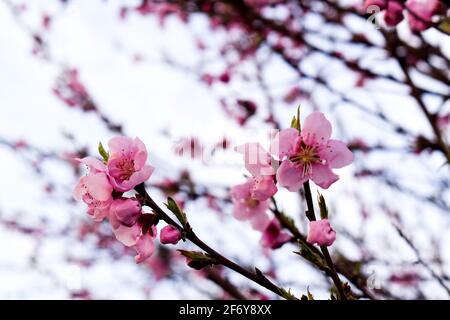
{"points": [[284, 142], [337, 154], [79, 189], [127, 235], [259, 222], [241, 191], [263, 188], [141, 176], [94, 164], [316, 130], [241, 211], [98, 186], [144, 247], [323, 176], [141, 154], [119, 146], [291, 176]]}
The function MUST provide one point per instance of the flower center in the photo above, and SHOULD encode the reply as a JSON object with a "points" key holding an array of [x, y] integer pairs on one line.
{"points": [[126, 167], [249, 202], [306, 157]]}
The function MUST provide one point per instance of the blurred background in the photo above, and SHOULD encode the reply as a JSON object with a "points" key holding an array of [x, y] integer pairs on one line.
{"points": [[216, 74]]}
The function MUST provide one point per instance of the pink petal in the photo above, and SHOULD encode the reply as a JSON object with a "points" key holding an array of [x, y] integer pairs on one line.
{"points": [[135, 179], [241, 191], [141, 176], [323, 176], [256, 159], [291, 176], [93, 163], [98, 186], [79, 189], [337, 154], [127, 235], [141, 154], [260, 221], [126, 211], [316, 130], [241, 211], [144, 248], [99, 210], [263, 188], [119, 146], [284, 142]]}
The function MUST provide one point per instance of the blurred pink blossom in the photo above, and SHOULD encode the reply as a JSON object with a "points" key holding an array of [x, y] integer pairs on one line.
{"points": [[248, 208]]}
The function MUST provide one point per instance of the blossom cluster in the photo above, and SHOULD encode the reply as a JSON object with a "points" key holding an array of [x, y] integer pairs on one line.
{"points": [[103, 191], [419, 12], [295, 156]]}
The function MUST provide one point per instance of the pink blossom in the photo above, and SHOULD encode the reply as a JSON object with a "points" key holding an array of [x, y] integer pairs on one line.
{"points": [[126, 164], [259, 163], [133, 237], [394, 13], [248, 208], [145, 246], [263, 188], [94, 189], [310, 154], [421, 12], [321, 233], [169, 234], [126, 235], [127, 211], [273, 237]]}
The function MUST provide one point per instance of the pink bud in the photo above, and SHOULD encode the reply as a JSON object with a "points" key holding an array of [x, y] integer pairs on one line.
{"points": [[321, 233], [169, 234], [127, 211], [394, 13]]}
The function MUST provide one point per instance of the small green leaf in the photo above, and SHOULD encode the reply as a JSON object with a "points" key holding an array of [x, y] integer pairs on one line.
{"points": [[295, 122], [322, 206], [198, 260], [103, 153], [177, 211], [287, 294]]}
